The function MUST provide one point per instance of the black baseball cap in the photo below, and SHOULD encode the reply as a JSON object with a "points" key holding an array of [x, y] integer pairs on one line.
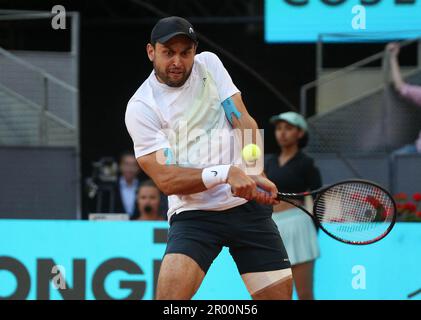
{"points": [[169, 27]]}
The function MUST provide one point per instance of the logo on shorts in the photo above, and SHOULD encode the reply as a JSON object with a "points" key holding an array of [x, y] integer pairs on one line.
{"points": [[214, 173]]}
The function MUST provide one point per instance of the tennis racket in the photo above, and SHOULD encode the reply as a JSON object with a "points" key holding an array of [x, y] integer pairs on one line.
{"points": [[351, 211]]}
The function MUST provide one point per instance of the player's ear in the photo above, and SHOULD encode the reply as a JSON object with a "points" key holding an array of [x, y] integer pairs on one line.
{"points": [[150, 50]]}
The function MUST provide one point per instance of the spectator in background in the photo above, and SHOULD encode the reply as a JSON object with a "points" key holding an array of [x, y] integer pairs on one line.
{"points": [[148, 202], [293, 171], [410, 92], [126, 188], [127, 185], [120, 196]]}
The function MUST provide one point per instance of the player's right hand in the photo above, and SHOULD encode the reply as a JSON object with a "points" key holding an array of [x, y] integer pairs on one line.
{"points": [[241, 184], [267, 190], [245, 187]]}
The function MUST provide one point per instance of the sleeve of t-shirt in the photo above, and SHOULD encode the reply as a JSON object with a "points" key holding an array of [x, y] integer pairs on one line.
{"points": [[145, 129], [226, 87]]}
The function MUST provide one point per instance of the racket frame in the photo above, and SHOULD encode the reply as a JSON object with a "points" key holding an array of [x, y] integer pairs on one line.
{"points": [[289, 197]]}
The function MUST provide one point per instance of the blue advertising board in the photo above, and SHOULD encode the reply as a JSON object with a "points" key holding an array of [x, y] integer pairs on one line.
{"points": [[118, 260], [304, 20]]}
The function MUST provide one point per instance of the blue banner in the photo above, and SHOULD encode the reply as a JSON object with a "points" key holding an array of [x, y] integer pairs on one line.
{"points": [[99, 260], [118, 260], [304, 20]]}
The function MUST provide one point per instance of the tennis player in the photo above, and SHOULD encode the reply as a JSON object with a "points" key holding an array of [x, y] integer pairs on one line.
{"points": [[212, 201]]}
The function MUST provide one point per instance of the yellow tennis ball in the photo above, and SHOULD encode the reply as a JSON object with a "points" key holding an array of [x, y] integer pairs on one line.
{"points": [[251, 152]]}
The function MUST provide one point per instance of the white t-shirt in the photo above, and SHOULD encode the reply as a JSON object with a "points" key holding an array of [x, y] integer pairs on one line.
{"points": [[189, 121]]}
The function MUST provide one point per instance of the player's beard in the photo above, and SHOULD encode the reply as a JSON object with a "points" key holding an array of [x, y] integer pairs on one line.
{"points": [[164, 77]]}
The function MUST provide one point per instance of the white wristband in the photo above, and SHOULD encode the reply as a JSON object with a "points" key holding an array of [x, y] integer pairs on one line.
{"points": [[213, 176]]}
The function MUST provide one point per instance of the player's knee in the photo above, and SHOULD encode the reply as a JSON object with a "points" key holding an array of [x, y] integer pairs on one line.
{"points": [[173, 295], [179, 278], [170, 288]]}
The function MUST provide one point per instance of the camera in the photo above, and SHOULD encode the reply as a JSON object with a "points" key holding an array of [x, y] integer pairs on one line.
{"points": [[104, 171]]}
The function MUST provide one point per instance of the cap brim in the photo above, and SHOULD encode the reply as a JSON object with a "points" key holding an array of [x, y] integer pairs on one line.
{"points": [[172, 35], [276, 119]]}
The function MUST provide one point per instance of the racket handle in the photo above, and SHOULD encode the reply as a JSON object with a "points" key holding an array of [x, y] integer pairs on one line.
{"points": [[263, 190], [285, 195], [258, 190]]}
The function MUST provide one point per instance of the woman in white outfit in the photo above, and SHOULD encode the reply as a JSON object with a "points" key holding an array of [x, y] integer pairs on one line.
{"points": [[293, 171]]}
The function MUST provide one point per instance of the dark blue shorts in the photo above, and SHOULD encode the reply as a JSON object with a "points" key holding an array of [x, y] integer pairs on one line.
{"points": [[247, 230]]}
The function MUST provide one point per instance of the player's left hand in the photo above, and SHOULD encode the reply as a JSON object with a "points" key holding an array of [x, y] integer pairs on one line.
{"points": [[268, 197]]}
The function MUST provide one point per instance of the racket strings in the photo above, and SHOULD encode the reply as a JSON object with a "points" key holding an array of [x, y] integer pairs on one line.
{"points": [[355, 212]]}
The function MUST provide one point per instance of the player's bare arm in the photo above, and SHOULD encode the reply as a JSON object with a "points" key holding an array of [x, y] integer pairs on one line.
{"points": [[172, 179], [240, 119]]}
